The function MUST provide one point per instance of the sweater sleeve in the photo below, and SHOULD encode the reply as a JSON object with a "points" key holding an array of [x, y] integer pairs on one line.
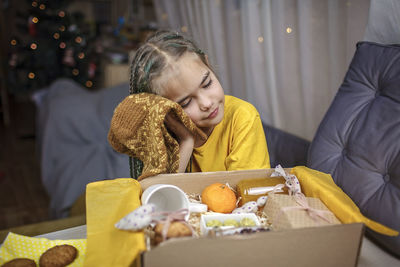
{"points": [[248, 146]]}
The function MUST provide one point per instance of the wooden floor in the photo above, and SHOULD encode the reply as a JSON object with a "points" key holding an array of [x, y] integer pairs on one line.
{"points": [[23, 199]]}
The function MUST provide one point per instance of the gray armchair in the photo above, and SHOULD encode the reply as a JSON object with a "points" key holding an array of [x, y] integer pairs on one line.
{"points": [[358, 141]]}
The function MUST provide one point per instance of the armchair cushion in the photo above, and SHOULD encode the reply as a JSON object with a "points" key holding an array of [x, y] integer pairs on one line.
{"points": [[284, 148], [358, 141]]}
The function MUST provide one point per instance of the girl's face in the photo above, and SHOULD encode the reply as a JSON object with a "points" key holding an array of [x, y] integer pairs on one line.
{"points": [[190, 83]]}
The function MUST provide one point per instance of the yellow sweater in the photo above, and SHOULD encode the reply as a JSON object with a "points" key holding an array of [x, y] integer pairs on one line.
{"points": [[236, 143]]}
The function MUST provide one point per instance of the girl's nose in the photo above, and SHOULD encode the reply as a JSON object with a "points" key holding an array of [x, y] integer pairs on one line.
{"points": [[205, 103]]}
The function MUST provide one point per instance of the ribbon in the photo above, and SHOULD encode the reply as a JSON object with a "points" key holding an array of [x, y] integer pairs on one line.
{"points": [[292, 182], [315, 214], [178, 215]]}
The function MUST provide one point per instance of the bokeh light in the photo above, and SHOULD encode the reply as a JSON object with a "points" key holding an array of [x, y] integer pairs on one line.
{"points": [[89, 83], [31, 75]]}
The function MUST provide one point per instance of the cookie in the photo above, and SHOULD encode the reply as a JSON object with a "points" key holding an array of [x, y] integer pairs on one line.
{"points": [[20, 262], [176, 229], [58, 256]]}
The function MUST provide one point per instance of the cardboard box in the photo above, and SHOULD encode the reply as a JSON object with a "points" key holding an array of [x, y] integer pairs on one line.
{"points": [[282, 219], [336, 245]]}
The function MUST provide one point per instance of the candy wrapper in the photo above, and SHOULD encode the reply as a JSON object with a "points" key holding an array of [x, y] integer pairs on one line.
{"points": [[298, 211], [19, 246]]}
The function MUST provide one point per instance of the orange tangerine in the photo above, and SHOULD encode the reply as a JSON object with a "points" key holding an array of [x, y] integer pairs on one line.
{"points": [[219, 198]]}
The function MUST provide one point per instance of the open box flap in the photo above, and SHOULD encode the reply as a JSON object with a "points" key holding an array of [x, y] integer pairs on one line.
{"points": [[196, 181]]}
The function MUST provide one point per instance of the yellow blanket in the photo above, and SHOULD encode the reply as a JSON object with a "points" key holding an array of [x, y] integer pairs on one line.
{"points": [[107, 202], [321, 185]]}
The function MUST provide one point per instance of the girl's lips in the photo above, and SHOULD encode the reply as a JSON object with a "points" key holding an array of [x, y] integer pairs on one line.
{"points": [[213, 114]]}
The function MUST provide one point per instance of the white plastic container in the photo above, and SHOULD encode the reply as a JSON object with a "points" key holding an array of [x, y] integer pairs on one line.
{"points": [[222, 218]]}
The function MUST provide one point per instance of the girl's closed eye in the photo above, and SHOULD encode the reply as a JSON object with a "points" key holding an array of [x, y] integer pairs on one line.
{"points": [[208, 84], [185, 102]]}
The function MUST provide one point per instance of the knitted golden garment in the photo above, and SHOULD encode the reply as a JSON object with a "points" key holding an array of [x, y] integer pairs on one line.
{"points": [[138, 130]]}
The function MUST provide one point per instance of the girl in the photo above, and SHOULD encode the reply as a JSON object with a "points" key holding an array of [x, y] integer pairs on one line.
{"points": [[172, 66]]}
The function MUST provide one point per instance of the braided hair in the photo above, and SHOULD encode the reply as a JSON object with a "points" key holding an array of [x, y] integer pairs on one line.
{"points": [[151, 59]]}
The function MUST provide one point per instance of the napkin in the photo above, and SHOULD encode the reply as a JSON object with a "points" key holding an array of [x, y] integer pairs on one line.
{"points": [[321, 185], [19, 246], [107, 202]]}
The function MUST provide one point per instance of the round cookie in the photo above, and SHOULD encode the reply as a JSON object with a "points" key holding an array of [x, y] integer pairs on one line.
{"points": [[58, 256], [20, 262], [176, 229]]}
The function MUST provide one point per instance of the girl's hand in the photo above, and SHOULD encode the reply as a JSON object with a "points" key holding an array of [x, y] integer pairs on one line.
{"points": [[175, 126], [185, 140]]}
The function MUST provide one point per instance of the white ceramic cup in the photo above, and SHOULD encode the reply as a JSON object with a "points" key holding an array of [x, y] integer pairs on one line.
{"points": [[166, 197]]}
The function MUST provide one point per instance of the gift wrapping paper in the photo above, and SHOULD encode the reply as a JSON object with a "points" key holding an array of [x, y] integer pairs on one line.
{"points": [[282, 217]]}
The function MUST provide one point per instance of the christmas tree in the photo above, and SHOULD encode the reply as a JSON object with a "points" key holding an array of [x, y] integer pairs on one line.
{"points": [[50, 43]]}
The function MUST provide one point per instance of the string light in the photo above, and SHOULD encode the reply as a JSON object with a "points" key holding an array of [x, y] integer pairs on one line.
{"points": [[42, 6], [35, 20], [81, 55], [184, 29], [288, 30], [260, 39], [89, 84], [75, 72], [56, 35], [33, 46], [34, 4], [61, 14], [13, 42], [78, 39], [62, 28], [62, 45], [31, 75]]}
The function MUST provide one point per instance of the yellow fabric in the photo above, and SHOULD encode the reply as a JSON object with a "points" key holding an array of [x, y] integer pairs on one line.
{"points": [[237, 143], [106, 203], [19, 246], [321, 185]]}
